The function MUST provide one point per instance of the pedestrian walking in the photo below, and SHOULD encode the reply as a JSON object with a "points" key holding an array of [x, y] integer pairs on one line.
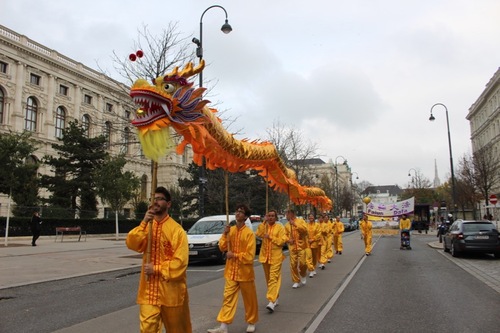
{"points": [[36, 227], [366, 233], [271, 256], [163, 294], [313, 248], [296, 233], [338, 230], [239, 273]]}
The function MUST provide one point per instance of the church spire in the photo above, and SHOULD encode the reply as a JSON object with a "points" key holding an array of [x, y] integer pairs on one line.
{"points": [[437, 182]]}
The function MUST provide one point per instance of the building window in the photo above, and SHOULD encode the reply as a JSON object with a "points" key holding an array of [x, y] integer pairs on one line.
{"points": [[2, 106], [107, 134], [3, 67], [60, 122], [63, 90], [109, 107], [86, 125], [127, 114], [31, 115], [35, 79], [87, 99]]}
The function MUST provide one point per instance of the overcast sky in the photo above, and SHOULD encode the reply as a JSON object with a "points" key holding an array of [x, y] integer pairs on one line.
{"points": [[356, 77]]}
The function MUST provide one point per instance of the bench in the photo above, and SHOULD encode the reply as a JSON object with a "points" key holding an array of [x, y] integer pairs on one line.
{"points": [[65, 230]]}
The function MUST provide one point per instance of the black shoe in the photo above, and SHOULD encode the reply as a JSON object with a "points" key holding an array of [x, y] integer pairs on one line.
{"points": [[33, 244], [340, 252]]}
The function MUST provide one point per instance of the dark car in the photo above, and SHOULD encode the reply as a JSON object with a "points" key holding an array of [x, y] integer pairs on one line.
{"points": [[258, 240], [347, 223], [472, 236]]}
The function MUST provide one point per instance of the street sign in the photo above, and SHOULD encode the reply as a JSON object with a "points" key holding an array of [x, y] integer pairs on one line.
{"points": [[493, 199]]}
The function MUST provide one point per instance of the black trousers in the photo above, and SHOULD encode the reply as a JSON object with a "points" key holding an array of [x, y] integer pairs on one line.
{"points": [[36, 234]]}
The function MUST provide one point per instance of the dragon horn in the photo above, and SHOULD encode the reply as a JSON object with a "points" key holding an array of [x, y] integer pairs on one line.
{"points": [[189, 70]]}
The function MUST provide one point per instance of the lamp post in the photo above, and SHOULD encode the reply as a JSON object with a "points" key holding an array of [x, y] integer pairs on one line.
{"points": [[337, 183], [226, 28], [409, 174], [353, 191], [453, 188]]}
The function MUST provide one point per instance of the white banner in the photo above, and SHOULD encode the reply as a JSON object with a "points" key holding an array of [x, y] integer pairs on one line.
{"points": [[392, 209]]}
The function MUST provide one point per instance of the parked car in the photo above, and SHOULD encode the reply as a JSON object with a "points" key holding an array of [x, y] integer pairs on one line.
{"points": [[347, 223], [472, 236], [203, 238], [258, 240]]}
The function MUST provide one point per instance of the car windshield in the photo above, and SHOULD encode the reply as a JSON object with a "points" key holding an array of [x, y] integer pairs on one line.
{"points": [[476, 227], [207, 228], [344, 220]]}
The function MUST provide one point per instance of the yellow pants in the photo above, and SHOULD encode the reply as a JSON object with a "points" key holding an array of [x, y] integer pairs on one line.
{"points": [[175, 319], [368, 243], [298, 265], [312, 256], [230, 302], [329, 249], [272, 273], [337, 241]]}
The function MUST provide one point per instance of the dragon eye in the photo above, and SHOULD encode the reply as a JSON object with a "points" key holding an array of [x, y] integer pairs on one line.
{"points": [[169, 87]]}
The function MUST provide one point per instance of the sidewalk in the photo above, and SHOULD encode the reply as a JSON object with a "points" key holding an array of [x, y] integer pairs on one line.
{"points": [[23, 264]]}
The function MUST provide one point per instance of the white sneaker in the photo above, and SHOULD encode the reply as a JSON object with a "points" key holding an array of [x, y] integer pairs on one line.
{"points": [[296, 285], [322, 266], [270, 307], [329, 260], [217, 330], [250, 328], [311, 275], [303, 280], [276, 303], [314, 272]]}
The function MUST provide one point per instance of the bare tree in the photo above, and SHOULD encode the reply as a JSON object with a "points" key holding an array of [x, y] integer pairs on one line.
{"points": [[161, 54], [486, 172], [419, 181], [294, 150]]}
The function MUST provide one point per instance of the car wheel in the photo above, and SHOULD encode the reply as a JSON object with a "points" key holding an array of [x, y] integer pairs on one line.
{"points": [[453, 251], [445, 248]]}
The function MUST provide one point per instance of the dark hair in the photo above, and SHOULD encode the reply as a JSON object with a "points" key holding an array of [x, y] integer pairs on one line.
{"points": [[245, 208], [164, 191], [274, 211]]}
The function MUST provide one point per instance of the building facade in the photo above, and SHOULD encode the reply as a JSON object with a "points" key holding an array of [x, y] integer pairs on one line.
{"points": [[484, 120], [41, 91]]}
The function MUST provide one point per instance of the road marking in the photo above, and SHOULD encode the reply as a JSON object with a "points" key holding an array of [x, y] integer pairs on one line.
{"points": [[319, 318]]}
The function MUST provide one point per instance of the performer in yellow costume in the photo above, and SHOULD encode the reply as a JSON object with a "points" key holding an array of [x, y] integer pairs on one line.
{"points": [[329, 240], [296, 233], [313, 248], [239, 243], [366, 234], [404, 222], [338, 230], [325, 231], [163, 293], [271, 255]]}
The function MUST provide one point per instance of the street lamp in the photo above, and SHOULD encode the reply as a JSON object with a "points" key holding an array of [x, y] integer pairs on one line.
{"points": [[409, 174], [337, 183], [226, 28], [453, 188]]}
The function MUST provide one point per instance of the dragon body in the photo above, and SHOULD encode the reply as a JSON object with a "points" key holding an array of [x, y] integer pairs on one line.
{"points": [[171, 101]]}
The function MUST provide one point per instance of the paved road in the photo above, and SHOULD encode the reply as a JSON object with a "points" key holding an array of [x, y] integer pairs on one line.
{"points": [[22, 264]]}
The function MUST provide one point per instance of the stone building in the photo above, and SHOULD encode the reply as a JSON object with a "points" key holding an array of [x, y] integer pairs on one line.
{"points": [[484, 120], [41, 91]]}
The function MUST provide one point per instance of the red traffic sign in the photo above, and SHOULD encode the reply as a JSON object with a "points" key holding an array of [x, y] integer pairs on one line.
{"points": [[493, 199]]}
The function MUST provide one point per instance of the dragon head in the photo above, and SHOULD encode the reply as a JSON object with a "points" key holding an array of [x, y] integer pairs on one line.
{"points": [[169, 100]]}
